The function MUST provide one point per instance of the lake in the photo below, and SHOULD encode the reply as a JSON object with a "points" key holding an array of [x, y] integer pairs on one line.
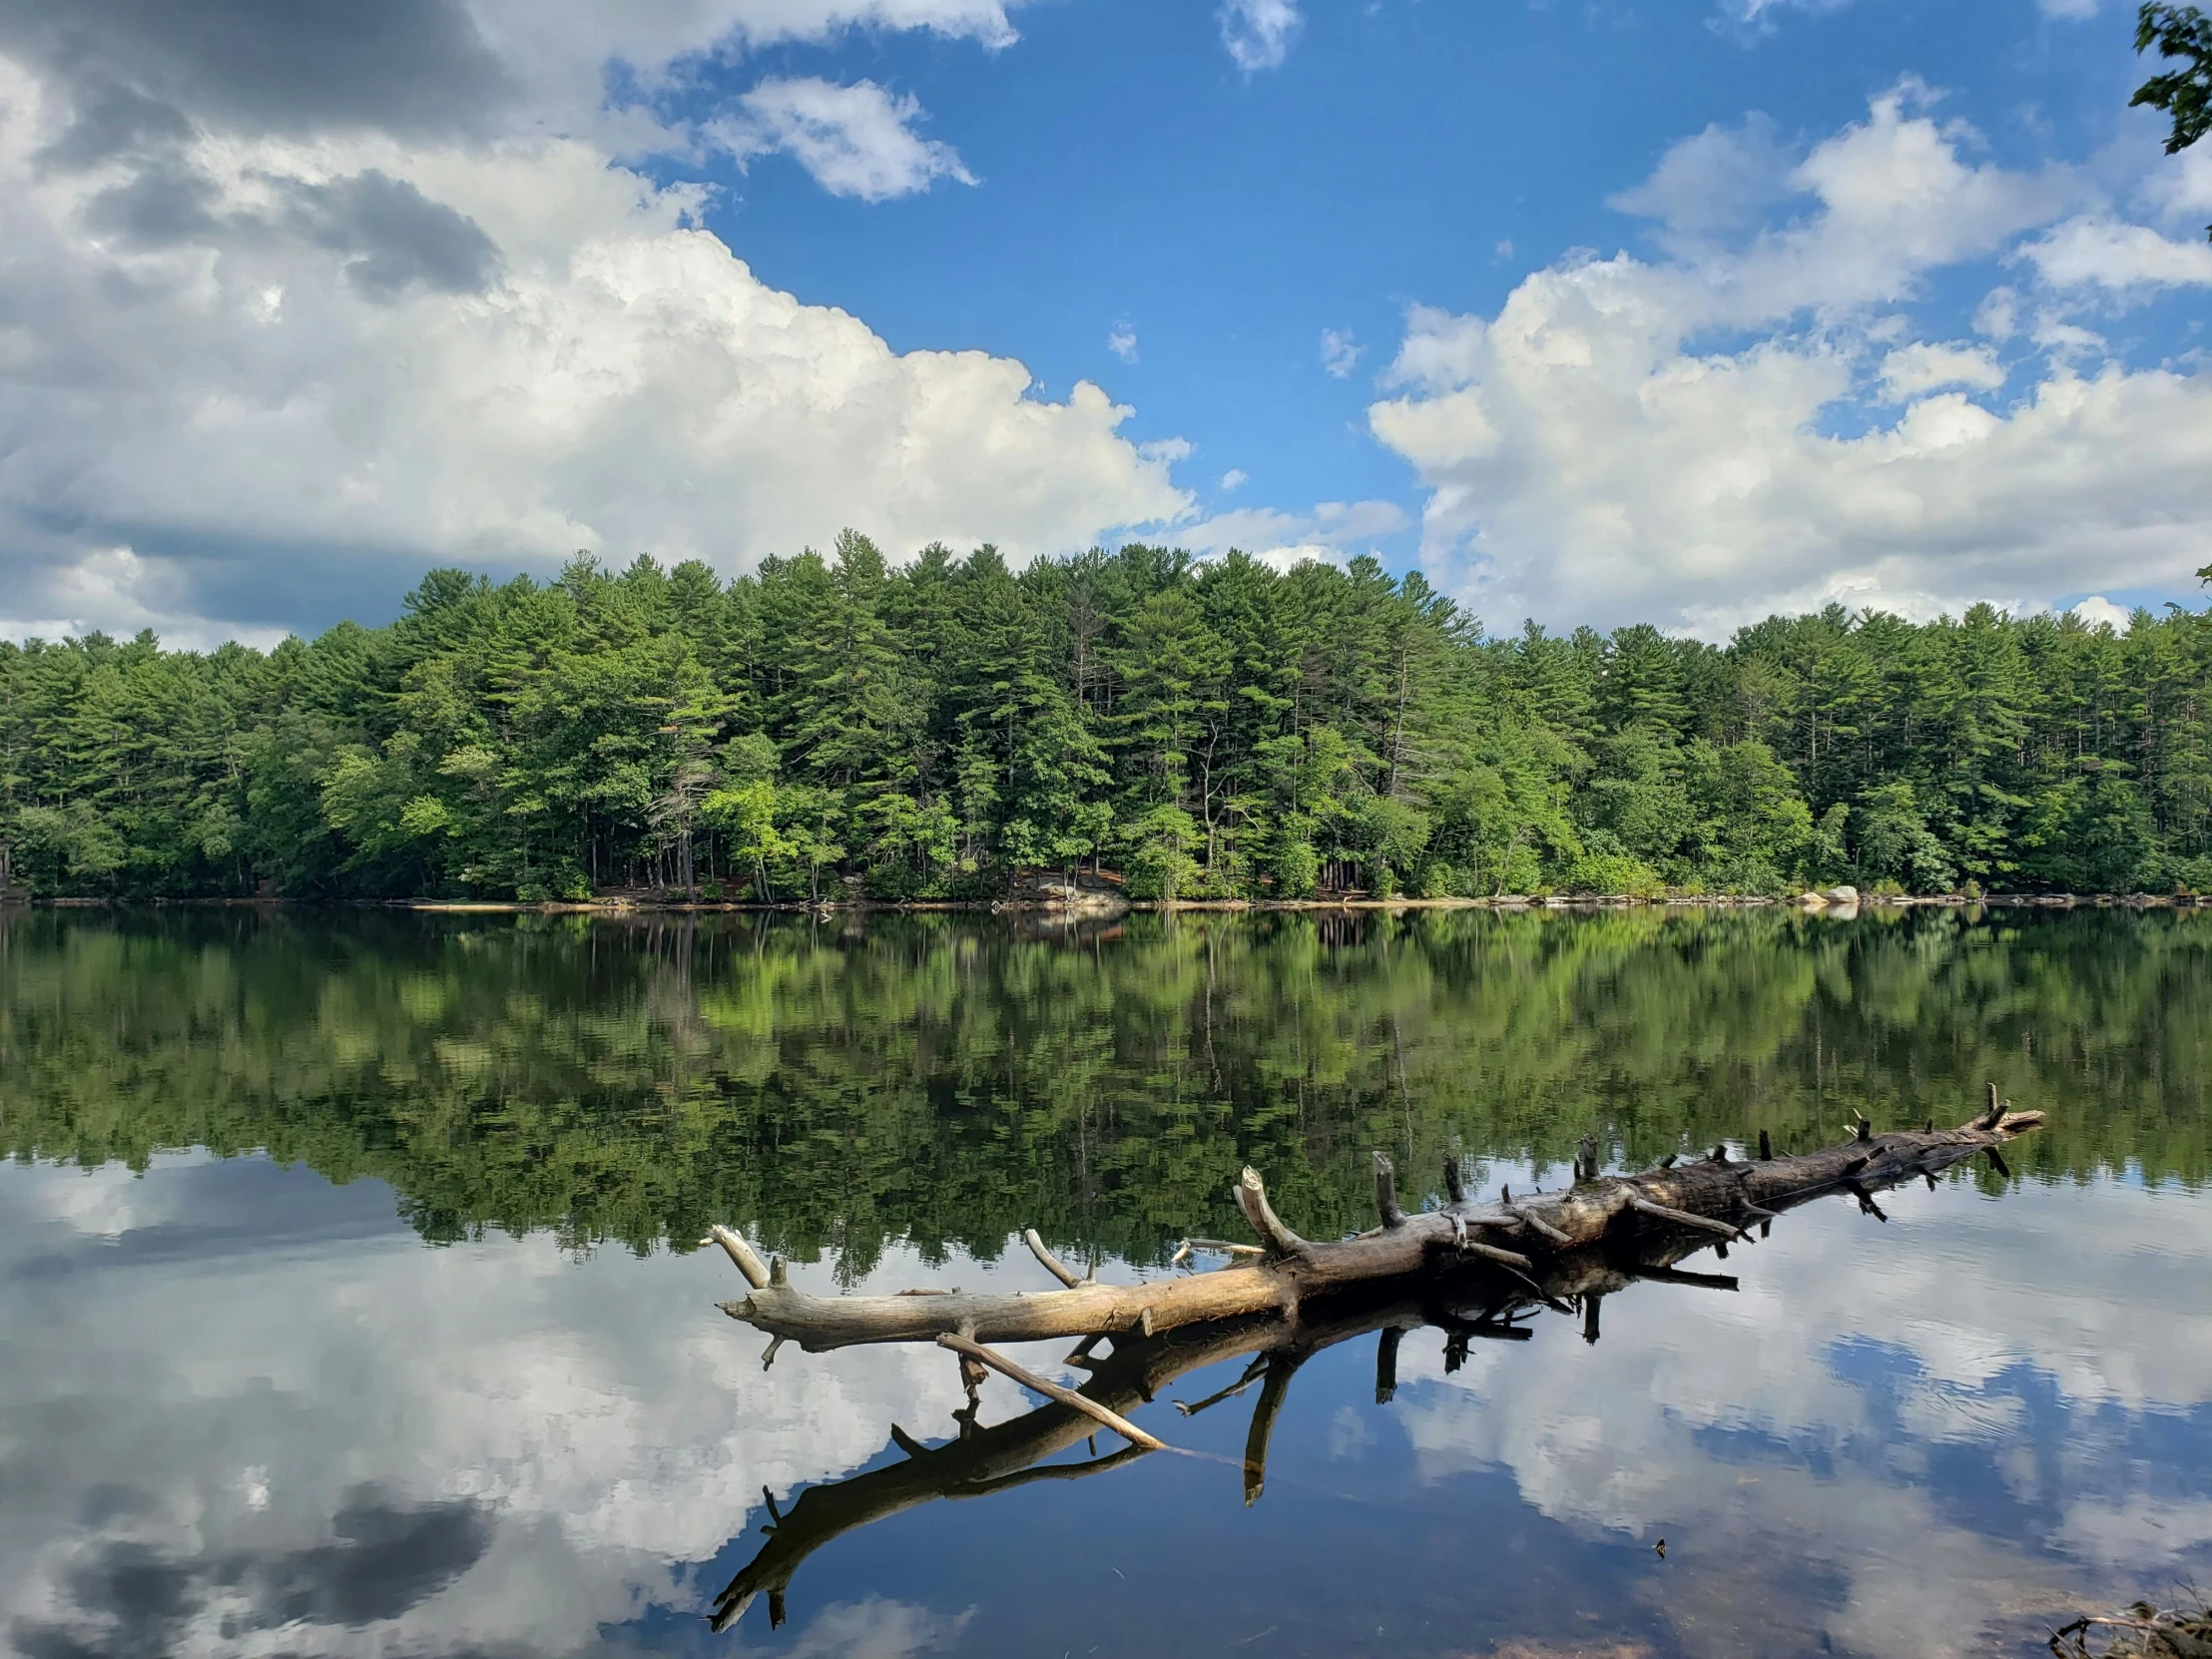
{"points": [[351, 1301]]}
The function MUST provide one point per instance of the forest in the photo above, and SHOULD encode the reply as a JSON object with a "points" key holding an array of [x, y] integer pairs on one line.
{"points": [[834, 727]]}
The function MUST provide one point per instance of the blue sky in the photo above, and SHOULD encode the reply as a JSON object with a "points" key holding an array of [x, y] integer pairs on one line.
{"points": [[1130, 174], [1594, 311]]}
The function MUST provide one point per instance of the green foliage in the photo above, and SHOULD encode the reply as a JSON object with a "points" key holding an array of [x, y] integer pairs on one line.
{"points": [[2185, 93], [1611, 872], [1160, 862], [1209, 730]]}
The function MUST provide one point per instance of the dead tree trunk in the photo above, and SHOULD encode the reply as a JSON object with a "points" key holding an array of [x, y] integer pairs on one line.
{"points": [[1718, 1194], [1563, 1251]]}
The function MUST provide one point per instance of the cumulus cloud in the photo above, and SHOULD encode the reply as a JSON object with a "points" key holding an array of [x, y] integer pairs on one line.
{"points": [[2109, 254], [1235, 479], [2181, 187], [2099, 611], [1998, 314], [249, 380], [426, 67], [1723, 178], [856, 139], [1121, 340], [1340, 353], [112, 590], [1330, 531], [1923, 367], [1691, 438], [1260, 33]]}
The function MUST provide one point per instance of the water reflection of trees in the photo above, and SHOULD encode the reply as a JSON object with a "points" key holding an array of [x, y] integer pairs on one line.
{"points": [[946, 1080]]}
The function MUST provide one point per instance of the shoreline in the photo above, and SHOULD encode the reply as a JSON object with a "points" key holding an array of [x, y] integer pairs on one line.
{"points": [[1809, 905]]}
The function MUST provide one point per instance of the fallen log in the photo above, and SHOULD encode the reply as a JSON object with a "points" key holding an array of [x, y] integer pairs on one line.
{"points": [[1467, 1295], [1521, 1236]]}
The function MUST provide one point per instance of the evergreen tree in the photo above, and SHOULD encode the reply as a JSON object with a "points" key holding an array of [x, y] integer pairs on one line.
{"points": [[1200, 728]]}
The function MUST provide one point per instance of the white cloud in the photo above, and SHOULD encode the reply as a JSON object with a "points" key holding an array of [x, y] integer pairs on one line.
{"points": [[2180, 187], [1259, 33], [1721, 180], [1759, 15], [2096, 611], [1998, 314], [1588, 454], [1235, 479], [112, 590], [559, 50], [2106, 252], [1121, 340], [1923, 367], [272, 342], [1340, 353], [856, 140], [541, 352], [1330, 531]]}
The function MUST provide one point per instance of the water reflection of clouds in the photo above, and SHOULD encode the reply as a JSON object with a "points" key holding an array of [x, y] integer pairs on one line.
{"points": [[373, 1444], [1937, 1415], [241, 1412]]}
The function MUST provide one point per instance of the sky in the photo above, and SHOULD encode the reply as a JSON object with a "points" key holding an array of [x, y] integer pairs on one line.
{"points": [[1673, 311]]}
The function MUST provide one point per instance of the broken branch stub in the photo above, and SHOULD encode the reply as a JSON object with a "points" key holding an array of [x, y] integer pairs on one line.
{"points": [[1252, 1199], [1385, 1192]]}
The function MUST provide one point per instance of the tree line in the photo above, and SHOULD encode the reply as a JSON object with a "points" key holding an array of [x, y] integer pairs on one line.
{"points": [[831, 726]]}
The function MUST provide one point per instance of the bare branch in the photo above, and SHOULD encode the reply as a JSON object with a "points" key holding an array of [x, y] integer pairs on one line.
{"points": [[735, 1247], [1052, 1264]]}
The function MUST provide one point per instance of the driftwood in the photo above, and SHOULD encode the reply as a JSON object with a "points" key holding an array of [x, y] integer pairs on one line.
{"points": [[1475, 1270], [2142, 1632], [1717, 1194]]}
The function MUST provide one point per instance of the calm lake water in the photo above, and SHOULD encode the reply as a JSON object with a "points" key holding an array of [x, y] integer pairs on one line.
{"points": [[349, 1304]]}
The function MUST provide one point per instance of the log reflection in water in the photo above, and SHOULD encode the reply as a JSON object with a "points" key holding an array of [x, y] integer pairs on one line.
{"points": [[1625, 1237]]}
